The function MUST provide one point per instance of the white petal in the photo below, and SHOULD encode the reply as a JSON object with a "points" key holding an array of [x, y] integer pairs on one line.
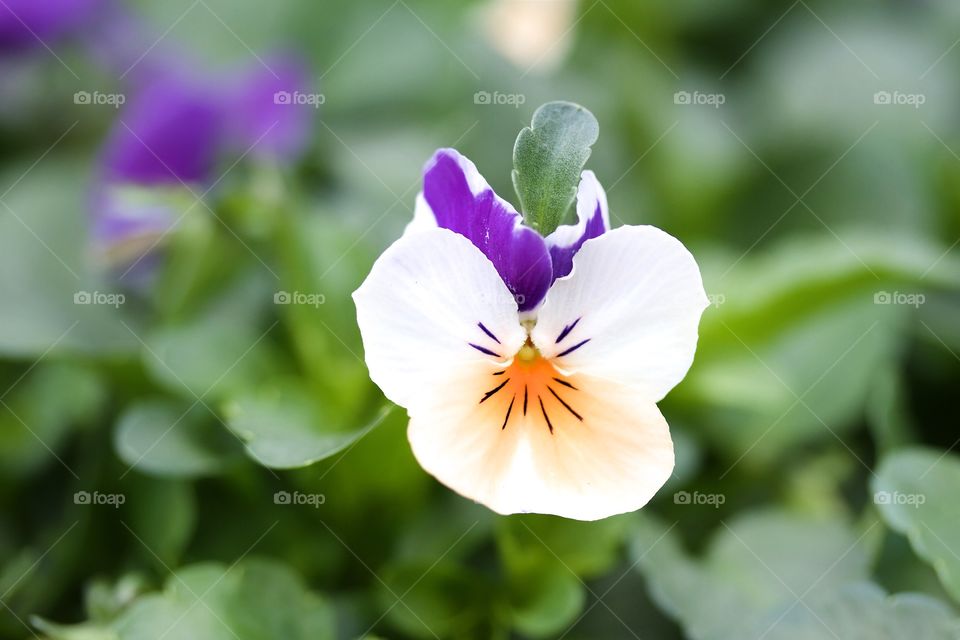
{"points": [[636, 297], [421, 309], [609, 450], [423, 217]]}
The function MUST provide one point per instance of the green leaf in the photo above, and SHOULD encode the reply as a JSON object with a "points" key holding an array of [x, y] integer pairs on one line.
{"points": [[106, 600], [857, 612], [73, 632], [44, 263], [254, 600], [533, 539], [439, 599], [547, 159], [545, 601], [165, 438], [163, 513], [546, 562], [803, 321], [39, 410], [225, 346], [755, 563], [915, 491], [283, 427]]}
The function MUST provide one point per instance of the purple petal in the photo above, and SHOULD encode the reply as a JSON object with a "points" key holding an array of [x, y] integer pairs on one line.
{"points": [[271, 110], [592, 221], [170, 132], [462, 201], [35, 23]]}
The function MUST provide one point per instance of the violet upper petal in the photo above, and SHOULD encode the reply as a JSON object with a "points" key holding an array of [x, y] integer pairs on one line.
{"points": [[593, 219], [460, 199], [170, 132]]}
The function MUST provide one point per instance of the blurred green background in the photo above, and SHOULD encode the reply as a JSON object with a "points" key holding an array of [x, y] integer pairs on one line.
{"points": [[199, 461]]}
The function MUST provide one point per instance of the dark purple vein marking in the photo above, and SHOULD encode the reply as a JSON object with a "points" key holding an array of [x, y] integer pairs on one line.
{"points": [[484, 350], [545, 416], [524, 399], [509, 409], [494, 390], [568, 407], [488, 332], [566, 330], [573, 348], [565, 383], [499, 373]]}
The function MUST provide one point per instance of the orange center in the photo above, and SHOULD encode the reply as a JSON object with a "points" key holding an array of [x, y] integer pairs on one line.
{"points": [[531, 384]]}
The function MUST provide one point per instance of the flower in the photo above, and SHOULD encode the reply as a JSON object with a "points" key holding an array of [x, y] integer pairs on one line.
{"points": [[263, 119], [531, 367], [162, 152], [165, 143], [36, 23]]}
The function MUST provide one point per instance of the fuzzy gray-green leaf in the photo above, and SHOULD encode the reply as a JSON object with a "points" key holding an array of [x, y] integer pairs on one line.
{"points": [[547, 159]]}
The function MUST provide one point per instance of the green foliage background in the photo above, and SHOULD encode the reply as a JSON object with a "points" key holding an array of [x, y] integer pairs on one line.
{"points": [[815, 494]]}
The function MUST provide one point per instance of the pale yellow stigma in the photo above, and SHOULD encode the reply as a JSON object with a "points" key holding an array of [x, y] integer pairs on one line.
{"points": [[528, 353]]}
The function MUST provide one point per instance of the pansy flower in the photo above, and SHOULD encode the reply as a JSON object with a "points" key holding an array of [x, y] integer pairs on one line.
{"points": [[165, 147], [531, 366], [164, 144]]}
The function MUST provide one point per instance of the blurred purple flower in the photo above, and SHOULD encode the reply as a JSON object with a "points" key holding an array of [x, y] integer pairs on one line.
{"points": [[270, 110], [171, 135], [28, 23], [167, 139], [170, 132]]}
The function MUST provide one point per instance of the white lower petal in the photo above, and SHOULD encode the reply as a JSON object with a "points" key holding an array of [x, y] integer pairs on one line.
{"points": [[609, 450], [420, 313], [628, 312]]}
